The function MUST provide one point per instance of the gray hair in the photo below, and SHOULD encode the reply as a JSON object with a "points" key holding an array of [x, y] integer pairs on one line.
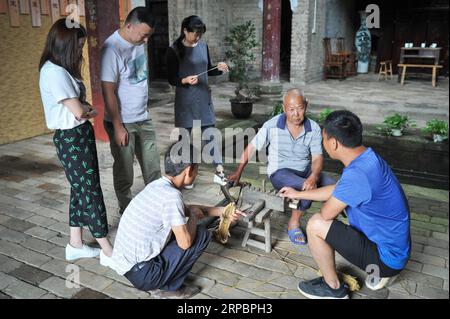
{"points": [[295, 92]]}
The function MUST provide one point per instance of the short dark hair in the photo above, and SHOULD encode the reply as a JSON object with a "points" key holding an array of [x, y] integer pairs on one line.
{"points": [[141, 15], [176, 160], [345, 127]]}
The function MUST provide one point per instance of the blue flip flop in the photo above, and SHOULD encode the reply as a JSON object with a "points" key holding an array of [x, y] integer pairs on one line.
{"points": [[297, 237]]}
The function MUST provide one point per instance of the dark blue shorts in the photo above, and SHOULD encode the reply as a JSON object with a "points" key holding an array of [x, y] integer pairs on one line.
{"points": [[287, 177]]}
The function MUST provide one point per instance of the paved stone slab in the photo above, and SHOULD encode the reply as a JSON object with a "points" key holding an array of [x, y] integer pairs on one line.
{"points": [[3, 296], [6, 280], [431, 292], [31, 275], [57, 253], [41, 233], [226, 292], [221, 276], [8, 264], [259, 287], [215, 261], [38, 245], [23, 290], [421, 278], [12, 235], [94, 281], [440, 272], [18, 224], [428, 259], [120, 291], [87, 293], [22, 254], [239, 255], [41, 220], [57, 267], [58, 287], [435, 251]]}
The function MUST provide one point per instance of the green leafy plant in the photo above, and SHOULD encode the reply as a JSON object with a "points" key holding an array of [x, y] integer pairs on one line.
{"points": [[277, 109], [437, 127], [396, 122], [323, 114], [241, 41]]}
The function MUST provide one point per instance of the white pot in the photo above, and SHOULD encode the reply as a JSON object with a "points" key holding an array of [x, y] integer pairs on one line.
{"points": [[437, 138], [396, 132], [363, 67]]}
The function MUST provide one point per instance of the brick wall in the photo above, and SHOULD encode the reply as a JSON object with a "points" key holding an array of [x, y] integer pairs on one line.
{"points": [[341, 17], [20, 104]]}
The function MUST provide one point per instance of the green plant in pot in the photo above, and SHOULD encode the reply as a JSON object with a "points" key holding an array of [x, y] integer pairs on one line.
{"points": [[323, 115], [438, 129], [241, 41], [394, 125]]}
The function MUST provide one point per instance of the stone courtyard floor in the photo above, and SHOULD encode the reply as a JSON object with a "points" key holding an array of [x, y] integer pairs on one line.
{"points": [[34, 196]]}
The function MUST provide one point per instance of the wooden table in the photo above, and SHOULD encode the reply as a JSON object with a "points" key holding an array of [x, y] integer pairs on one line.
{"points": [[429, 59], [406, 65]]}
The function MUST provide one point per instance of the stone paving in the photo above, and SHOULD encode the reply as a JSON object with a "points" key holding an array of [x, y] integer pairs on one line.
{"points": [[34, 197]]}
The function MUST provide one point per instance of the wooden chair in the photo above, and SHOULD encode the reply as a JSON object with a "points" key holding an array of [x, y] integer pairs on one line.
{"points": [[335, 63], [350, 57], [385, 69]]}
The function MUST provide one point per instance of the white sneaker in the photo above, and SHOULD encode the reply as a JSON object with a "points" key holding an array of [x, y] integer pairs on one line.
{"points": [[189, 186], [378, 283], [107, 261], [73, 253]]}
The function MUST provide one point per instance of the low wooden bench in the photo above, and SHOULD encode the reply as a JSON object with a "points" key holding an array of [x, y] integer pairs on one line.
{"points": [[429, 66]]}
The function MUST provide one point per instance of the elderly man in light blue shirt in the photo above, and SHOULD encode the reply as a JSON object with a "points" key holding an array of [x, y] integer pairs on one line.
{"points": [[294, 155]]}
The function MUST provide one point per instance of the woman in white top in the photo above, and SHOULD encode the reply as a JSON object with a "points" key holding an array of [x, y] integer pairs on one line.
{"points": [[67, 112]]}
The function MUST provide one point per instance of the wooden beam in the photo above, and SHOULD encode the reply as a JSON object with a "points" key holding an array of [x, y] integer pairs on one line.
{"points": [[24, 6], [3, 6], [81, 6], [62, 7], [54, 10], [45, 7], [13, 9], [102, 20], [35, 13]]}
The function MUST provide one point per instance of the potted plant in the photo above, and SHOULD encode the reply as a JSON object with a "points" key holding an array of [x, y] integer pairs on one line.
{"points": [[394, 125], [323, 115], [438, 129], [241, 41]]}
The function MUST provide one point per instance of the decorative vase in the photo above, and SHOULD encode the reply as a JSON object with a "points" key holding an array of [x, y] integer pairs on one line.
{"points": [[396, 132], [363, 45]]}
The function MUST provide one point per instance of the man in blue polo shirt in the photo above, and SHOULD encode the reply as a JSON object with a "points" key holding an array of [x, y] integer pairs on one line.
{"points": [[378, 238], [295, 155]]}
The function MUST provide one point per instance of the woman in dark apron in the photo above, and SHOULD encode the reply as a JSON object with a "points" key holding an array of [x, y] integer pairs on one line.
{"points": [[67, 112], [188, 61]]}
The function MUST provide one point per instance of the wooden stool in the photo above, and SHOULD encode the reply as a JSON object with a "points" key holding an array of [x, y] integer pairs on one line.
{"points": [[385, 69]]}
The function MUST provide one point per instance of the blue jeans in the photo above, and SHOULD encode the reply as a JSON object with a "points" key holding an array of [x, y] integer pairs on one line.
{"points": [[287, 177], [169, 269]]}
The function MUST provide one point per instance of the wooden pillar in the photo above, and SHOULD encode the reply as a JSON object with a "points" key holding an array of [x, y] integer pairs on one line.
{"points": [[271, 41], [102, 19]]}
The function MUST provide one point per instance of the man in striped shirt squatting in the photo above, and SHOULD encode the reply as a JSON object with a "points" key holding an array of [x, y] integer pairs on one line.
{"points": [[155, 247]]}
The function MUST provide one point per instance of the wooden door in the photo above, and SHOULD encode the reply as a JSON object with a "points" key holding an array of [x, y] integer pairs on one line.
{"points": [[159, 42]]}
